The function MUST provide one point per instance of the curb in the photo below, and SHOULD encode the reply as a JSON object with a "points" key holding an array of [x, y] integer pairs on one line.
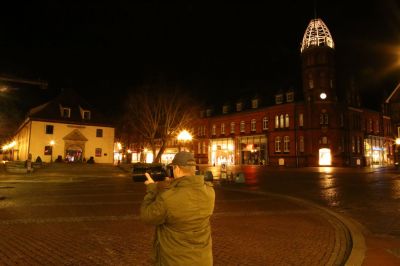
{"points": [[356, 242]]}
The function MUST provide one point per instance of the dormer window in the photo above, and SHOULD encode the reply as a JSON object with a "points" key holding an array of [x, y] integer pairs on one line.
{"points": [[65, 112], [225, 109], [239, 106], [289, 97], [254, 103], [84, 113], [208, 112], [278, 98]]}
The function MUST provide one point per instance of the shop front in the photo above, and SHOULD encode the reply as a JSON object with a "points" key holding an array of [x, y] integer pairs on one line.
{"points": [[375, 151], [253, 150], [222, 151]]}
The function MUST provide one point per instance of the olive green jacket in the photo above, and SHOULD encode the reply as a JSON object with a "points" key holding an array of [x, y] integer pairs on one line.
{"points": [[181, 211]]}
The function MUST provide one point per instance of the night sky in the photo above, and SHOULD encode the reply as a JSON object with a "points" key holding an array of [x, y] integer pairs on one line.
{"points": [[210, 49]]}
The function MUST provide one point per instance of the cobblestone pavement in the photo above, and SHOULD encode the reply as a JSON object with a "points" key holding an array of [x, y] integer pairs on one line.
{"points": [[90, 217]]}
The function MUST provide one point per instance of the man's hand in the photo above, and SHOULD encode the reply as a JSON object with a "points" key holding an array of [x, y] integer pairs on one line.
{"points": [[149, 179]]}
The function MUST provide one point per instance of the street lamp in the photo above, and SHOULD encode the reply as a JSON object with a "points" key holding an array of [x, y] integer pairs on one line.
{"points": [[52, 142], [183, 137]]}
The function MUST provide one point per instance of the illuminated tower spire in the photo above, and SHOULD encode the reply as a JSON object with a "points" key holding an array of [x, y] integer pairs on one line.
{"points": [[317, 34]]}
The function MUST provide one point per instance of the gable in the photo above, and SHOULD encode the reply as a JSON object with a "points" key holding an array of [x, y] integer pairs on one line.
{"points": [[75, 135]]}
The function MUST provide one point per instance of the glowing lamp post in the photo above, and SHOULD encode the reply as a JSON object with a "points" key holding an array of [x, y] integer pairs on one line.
{"points": [[52, 142], [396, 152], [183, 137]]}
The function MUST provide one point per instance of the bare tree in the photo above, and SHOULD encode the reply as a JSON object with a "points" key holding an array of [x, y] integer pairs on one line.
{"points": [[157, 115]]}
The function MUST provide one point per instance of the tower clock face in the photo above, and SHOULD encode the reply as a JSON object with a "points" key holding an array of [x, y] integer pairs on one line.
{"points": [[322, 96]]}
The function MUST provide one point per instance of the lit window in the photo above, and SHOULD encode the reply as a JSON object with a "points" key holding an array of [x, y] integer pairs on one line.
{"points": [[301, 120], [225, 109], [277, 144], [223, 128], [242, 126], [276, 121], [213, 129], [311, 83], [265, 123], [282, 121], [204, 147], [198, 147], [286, 144], [287, 120], [232, 127], [253, 125]]}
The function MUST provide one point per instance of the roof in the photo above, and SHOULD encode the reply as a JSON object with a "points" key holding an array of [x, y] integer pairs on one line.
{"points": [[52, 110], [317, 34]]}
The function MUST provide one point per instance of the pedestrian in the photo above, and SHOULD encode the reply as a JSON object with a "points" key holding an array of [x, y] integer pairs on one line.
{"points": [[181, 211]]}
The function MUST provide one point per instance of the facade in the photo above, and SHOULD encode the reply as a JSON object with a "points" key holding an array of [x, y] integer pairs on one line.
{"points": [[320, 130], [66, 128]]}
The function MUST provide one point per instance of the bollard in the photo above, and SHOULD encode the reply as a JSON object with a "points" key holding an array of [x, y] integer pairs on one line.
{"points": [[240, 178]]}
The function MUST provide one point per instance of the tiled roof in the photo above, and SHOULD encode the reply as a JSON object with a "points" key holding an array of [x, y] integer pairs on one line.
{"points": [[51, 111]]}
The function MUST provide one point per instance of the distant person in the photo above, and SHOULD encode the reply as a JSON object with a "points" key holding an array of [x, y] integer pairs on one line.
{"points": [[181, 211]]}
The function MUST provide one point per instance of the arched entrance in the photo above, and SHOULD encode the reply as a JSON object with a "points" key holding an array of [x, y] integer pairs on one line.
{"points": [[74, 153], [74, 146], [325, 157]]}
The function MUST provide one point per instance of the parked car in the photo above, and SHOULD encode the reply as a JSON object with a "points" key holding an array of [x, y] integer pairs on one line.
{"points": [[157, 171]]}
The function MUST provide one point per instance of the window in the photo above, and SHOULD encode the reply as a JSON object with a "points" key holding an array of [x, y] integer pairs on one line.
{"points": [[276, 121], [323, 119], [265, 123], [225, 109], [208, 112], [49, 129], [278, 98], [301, 120], [48, 150], [198, 147], [286, 144], [281, 122], [253, 125], [311, 83], [99, 133], [223, 128], [86, 115], [65, 112], [324, 140], [289, 97], [377, 126], [301, 144], [358, 145], [277, 144], [213, 130], [353, 145], [204, 147], [242, 126], [232, 127], [98, 152], [287, 120], [370, 125], [239, 107], [254, 103]]}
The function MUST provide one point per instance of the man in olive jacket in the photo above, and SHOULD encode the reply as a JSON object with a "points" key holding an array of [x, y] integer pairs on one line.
{"points": [[181, 211]]}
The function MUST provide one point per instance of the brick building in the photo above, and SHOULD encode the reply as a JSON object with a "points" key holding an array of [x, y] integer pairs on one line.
{"points": [[315, 129]]}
